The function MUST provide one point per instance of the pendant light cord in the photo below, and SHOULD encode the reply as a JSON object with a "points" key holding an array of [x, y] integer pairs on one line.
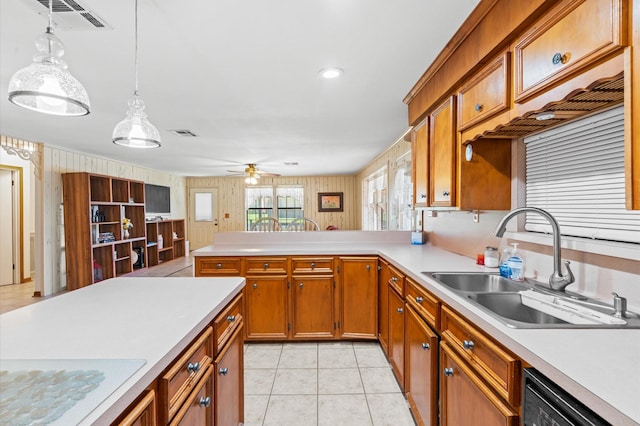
{"points": [[136, 49]]}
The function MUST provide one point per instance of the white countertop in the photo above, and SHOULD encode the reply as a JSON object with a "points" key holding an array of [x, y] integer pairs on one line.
{"points": [[600, 367], [150, 319]]}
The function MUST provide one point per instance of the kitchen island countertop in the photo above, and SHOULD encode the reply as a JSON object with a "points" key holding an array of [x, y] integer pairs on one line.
{"points": [[148, 319]]}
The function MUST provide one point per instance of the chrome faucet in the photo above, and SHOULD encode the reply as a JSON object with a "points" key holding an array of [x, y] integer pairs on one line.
{"points": [[557, 281]]}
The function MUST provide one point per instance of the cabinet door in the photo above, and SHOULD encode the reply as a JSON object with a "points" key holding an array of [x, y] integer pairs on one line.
{"points": [[143, 413], [465, 399], [383, 306], [266, 308], [420, 163], [442, 155], [396, 335], [313, 307], [229, 383], [358, 297], [421, 368]]}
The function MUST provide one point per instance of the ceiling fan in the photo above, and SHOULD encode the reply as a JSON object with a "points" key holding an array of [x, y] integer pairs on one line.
{"points": [[252, 172]]}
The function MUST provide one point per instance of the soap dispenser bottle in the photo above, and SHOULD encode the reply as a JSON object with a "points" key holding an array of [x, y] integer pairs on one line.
{"points": [[516, 264]]}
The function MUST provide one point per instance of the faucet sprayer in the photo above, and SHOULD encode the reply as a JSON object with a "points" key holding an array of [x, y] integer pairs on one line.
{"points": [[557, 281]]}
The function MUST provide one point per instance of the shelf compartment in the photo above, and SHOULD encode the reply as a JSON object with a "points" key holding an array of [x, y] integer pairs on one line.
{"points": [[100, 188]]}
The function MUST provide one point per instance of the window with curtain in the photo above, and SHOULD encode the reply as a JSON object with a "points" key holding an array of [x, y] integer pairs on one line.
{"points": [[375, 212], [576, 173], [401, 194], [259, 203]]}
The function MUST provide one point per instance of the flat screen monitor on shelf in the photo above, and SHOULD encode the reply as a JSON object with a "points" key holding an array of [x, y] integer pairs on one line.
{"points": [[157, 200]]}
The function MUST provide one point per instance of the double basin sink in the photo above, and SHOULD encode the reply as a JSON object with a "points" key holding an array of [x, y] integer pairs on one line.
{"points": [[529, 304]]}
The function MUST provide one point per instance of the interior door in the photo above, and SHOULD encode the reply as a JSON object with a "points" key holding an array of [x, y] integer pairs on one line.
{"points": [[203, 216], [7, 257]]}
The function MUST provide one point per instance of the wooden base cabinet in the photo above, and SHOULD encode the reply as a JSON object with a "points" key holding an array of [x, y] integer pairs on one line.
{"points": [[396, 335], [198, 408], [266, 307], [358, 297], [465, 398], [313, 307], [384, 275], [229, 382], [421, 368]]}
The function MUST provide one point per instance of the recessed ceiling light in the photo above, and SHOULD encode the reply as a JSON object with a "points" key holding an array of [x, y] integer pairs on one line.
{"points": [[292, 163], [183, 132], [330, 73]]}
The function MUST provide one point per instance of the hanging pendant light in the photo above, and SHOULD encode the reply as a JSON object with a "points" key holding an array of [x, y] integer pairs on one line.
{"points": [[135, 131], [46, 85]]}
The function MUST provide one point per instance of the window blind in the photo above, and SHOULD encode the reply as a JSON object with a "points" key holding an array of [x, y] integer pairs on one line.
{"points": [[576, 173]]}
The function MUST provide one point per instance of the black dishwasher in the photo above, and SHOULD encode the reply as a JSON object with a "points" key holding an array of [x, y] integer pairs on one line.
{"points": [[546, 404]]}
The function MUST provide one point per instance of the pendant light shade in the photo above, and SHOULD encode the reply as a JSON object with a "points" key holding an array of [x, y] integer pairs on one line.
{"points": [[46, 85], [135, 131]]}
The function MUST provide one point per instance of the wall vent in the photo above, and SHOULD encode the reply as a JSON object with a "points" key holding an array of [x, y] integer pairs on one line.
{"points": [[183, 132], [69, 15]]}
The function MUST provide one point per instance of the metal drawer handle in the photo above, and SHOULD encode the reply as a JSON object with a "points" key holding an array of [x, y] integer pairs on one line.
{"points": [[301, 285], [419, 299], [368, 267], [223, 371], [313, 265], [478, 107], [255, 285], [425, 346], [266, 266], [219, 266], [205, 401], [468, 344], [394, 279], [193, 367], [448, 371], [231, 318], [400, 310], [559, 58]]}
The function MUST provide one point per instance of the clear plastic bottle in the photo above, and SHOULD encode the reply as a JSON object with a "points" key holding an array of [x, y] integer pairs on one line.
{"points": [[516, 264], [505, 271]]}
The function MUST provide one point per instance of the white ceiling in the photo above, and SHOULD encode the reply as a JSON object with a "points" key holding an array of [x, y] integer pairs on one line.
{"points": [[242, 75]]}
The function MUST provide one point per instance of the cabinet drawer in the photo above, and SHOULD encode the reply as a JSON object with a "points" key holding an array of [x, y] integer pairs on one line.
{"points": [[499, 368], [220, 266], [486, 94], [425, 304], [226, 322], [397, 280], [143, 413], [312, 265], [266, 265], [570, 38], [181, 377], [198, 408]]}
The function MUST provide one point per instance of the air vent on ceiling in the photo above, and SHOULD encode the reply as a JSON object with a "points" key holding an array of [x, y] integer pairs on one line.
{"points": [[69, 14], [183, 132]]}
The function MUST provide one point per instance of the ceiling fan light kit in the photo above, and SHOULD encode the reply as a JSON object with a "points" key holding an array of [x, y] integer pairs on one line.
{"points": [[46, 85], [135, 131]]}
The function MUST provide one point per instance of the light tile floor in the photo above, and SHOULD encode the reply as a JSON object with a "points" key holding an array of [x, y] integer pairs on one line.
{"points": [[317, 384]]}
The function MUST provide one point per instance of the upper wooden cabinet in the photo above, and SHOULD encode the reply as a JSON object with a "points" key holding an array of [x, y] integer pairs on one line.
{"points": [[442, 155], [420, 163], [571, 37], [486, 94]]}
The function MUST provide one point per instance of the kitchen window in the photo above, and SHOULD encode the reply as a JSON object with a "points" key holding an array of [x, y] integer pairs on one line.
{"points": [[576, 173], [259, 204], [375, 212]]}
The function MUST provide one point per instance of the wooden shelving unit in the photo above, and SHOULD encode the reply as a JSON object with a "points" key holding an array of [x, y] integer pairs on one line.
{"points": [[173, 240], [95, 243], [94, 207]]}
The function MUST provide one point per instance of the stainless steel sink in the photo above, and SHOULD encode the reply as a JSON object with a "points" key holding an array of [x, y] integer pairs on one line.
{"points": [[503, 299], [510, 307], [477, 282]]}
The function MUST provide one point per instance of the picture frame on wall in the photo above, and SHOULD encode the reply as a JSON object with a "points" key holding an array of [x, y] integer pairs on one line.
{"points": [[330, 202]]}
